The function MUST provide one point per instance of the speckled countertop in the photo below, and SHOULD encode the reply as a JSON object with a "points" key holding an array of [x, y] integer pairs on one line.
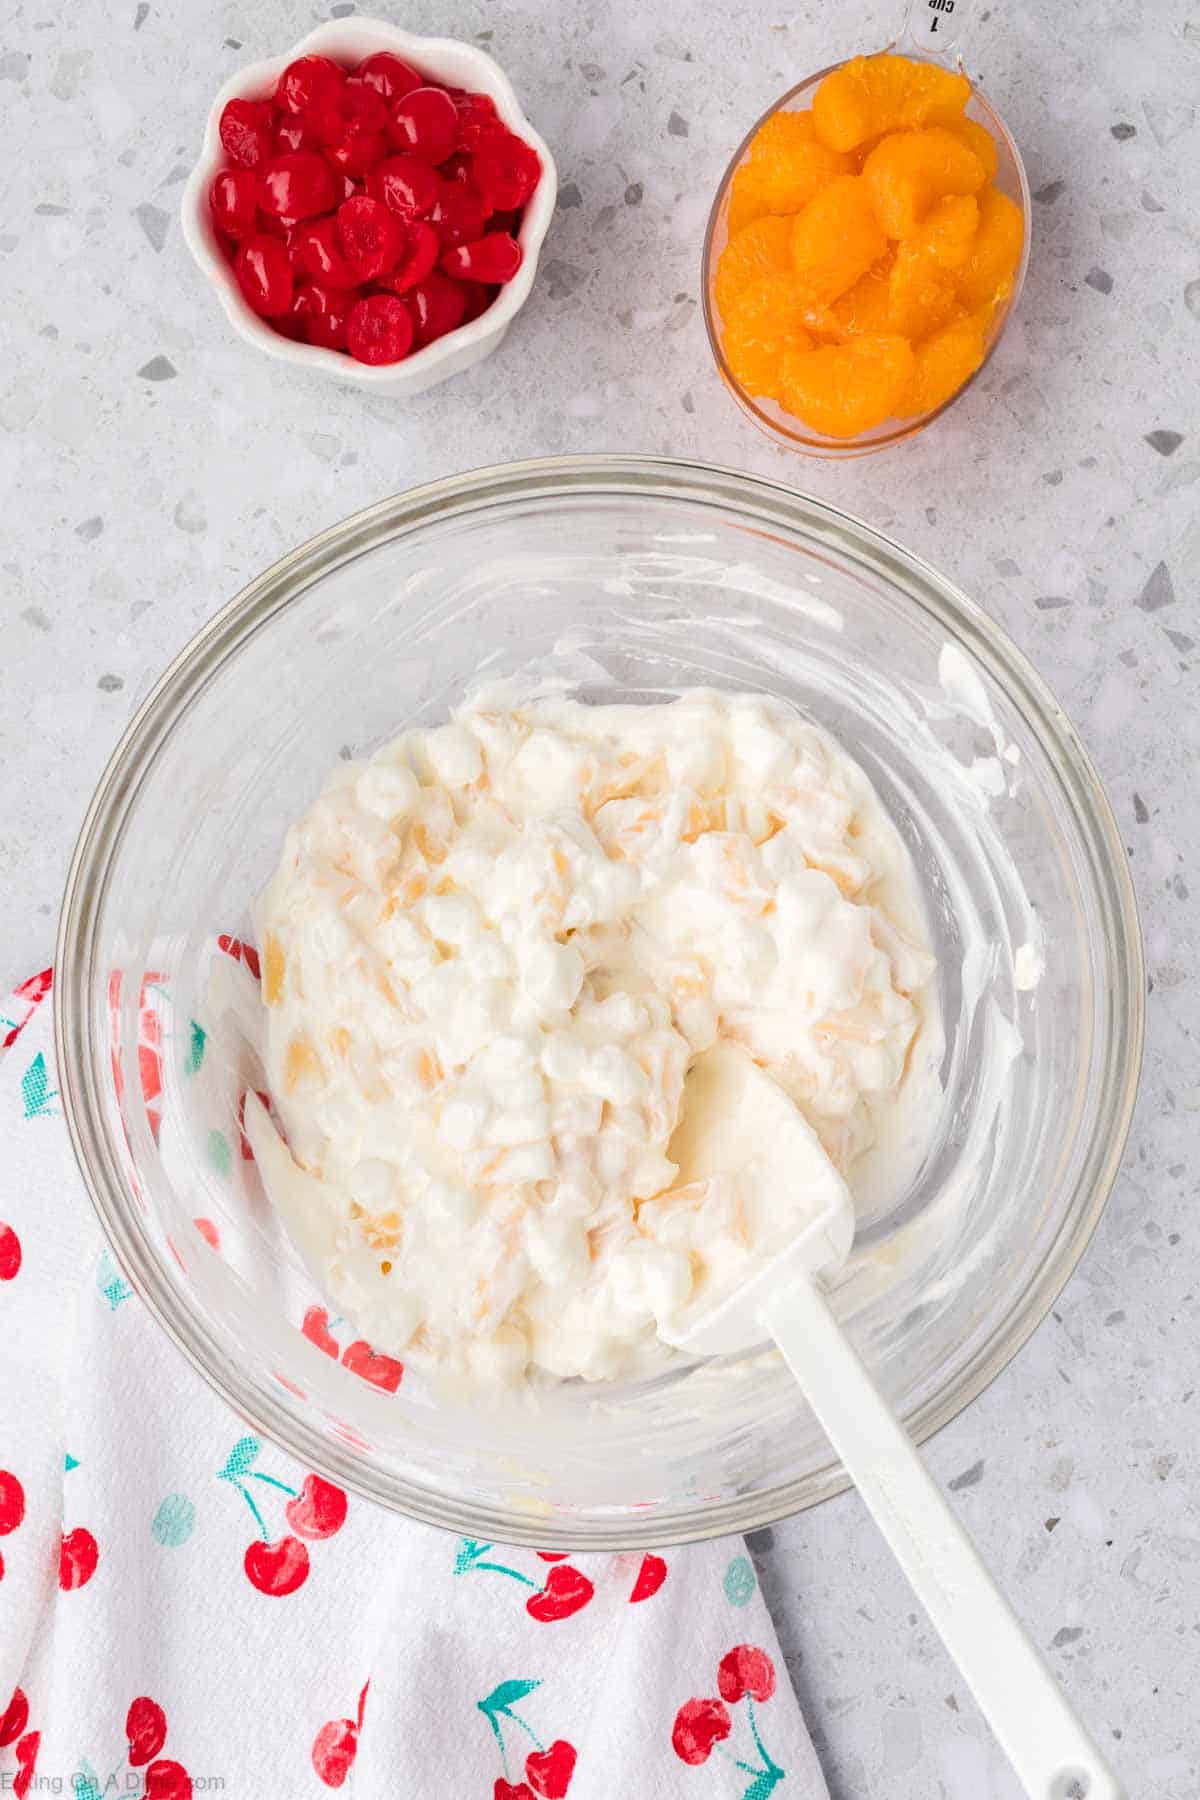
{"points": [[150, 464]]}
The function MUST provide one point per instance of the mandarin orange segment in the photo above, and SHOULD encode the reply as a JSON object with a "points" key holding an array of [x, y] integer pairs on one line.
{"points": [[945, 235], [987, 273], [978, 138], [789, 163], [911, 170], [841, 390], [873, 94], [942, 363], [761, 248], [747, 198], [755, 355], [835, 239], [921, 297], [863, 308]]}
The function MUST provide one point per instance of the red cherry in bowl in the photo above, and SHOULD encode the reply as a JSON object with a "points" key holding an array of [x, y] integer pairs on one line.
{"points": [[406, 184], [264, 275], [318, 1510], [296, 185], [309, 81], [313, 251], [389, 75], [437, 306], [278, 1568], [418, 261], [380, 331], [494, 257], [507, 170], [370, 236], [247, 132], [321, 314], [424, 123], [233, 198]]}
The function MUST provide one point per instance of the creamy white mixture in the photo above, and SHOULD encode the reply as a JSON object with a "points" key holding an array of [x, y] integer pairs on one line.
{"points": [[489, 955]]}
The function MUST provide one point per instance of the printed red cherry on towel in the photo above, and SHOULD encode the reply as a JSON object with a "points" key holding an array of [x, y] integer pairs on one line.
{"points": [[369, 210]]}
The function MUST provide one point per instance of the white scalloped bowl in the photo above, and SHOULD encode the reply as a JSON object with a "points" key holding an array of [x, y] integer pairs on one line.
{"points": [[446, 60]]}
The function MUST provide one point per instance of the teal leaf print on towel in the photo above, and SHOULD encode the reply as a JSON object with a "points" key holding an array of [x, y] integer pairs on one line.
{"points": [[739, 1581], [174, 1521], [36, 1092], [197, 1039], [111, 1282], [241, 1458]]}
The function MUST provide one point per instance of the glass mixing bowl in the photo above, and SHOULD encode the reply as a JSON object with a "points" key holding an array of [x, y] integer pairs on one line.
{"points": [[629, 578], [783, 427]]}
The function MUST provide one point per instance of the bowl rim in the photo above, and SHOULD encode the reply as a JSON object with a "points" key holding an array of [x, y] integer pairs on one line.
{"points": [[429, 53], [803, 440], [762, 501]]}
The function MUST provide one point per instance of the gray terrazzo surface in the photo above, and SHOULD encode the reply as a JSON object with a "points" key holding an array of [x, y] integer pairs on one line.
{"points": [[150, 464]]}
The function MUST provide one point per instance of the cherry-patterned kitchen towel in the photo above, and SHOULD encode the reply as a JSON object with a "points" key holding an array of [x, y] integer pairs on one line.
{"points": [[184, 1610]]}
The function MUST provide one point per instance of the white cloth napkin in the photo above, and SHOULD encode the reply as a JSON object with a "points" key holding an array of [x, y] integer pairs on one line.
{"points": [[174, 1622]]}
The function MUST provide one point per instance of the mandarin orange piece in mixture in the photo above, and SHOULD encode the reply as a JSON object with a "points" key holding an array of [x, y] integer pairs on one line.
{"points": [[873, 94], [910, 170], [835, 239], [843, 389], [986, 274], [942, 363]]}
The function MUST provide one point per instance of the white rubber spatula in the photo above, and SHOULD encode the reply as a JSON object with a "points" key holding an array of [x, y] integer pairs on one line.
{"points": [[739, 1124]]}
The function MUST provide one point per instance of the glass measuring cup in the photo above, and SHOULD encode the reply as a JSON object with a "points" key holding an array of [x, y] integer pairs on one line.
{"points": [[934, 31]]}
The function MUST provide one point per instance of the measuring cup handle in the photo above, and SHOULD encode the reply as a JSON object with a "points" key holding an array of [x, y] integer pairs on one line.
{"points": [[936, 28]]}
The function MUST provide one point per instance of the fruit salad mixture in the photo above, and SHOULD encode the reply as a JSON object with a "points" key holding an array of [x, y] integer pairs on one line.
{"points": [[369, 209], [870, 254]]}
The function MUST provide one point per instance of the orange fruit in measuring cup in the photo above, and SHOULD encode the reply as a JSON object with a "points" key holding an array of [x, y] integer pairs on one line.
{"points": [[841, 390], [909, 170], [835, 239], [786, 165], [979, 139], [870, 95], [944, 237], [760, 249], [943, 363], [921, 297], [869, 251], [991, 261]]}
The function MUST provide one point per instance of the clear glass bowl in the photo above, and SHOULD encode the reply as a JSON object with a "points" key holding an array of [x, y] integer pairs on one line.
{"points": [[629, 577], [783, 427]]}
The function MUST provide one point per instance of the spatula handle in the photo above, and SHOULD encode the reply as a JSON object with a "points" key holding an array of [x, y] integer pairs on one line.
{"points": [[1045, 1742]]}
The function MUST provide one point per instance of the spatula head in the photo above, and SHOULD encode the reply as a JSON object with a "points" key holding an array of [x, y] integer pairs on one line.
{"points": [[796, 1210]]}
